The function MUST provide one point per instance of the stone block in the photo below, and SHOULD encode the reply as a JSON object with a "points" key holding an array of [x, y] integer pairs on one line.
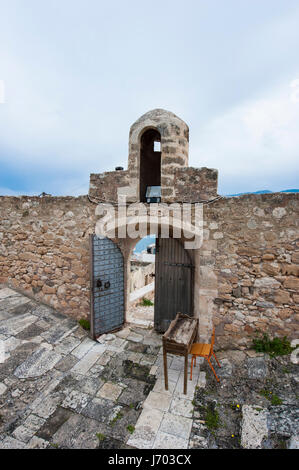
{"points": [[158, 401], [254, 427], [168, 441], [181, 407], [110, 391], [176, 425]]}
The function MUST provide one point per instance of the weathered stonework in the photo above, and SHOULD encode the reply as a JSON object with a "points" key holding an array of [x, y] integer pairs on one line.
{"points": [[246, 271], [178, 181], [174, 147], [104, 186], [45, 252], [252, 260], [45, 249], [195, 184]]}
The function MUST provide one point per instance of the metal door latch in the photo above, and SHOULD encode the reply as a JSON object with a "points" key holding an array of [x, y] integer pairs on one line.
{"points": [[100, 284]]}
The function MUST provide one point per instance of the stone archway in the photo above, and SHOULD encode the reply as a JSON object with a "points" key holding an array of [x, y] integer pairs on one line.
{"points": [[127, 245]]}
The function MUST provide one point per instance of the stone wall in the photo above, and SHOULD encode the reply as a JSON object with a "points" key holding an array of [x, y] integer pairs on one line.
{"points": [[141, 274], [44, 249], [246, 274], [104, 186], [195, 184], [187, 185], [249, 267]]}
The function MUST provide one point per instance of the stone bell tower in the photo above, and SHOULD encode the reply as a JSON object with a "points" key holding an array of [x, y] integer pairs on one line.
{"points": [[158, 157], [158, 146]]}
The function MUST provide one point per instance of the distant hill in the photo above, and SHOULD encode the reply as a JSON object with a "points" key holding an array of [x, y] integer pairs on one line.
{"points": [[264, 191]]}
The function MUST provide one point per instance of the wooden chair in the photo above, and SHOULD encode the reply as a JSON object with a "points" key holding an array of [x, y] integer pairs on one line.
{"points": [[206, 351]]}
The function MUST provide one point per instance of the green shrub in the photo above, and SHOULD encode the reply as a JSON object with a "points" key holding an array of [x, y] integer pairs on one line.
{"points": [[211, 418], [275, 400], [130, 428], [84, 323], [274, 347], [55, 446], [146, 302], [118, 416]]}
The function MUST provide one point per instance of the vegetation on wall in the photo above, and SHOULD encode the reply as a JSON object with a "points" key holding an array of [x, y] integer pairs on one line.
{"points": [[274, 347]]}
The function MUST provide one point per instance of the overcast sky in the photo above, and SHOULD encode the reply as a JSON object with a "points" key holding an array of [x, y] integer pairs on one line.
{"points": [[77, 73]]}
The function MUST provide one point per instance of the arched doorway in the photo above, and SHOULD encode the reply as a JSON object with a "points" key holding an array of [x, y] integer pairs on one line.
{"points": [[150, 161], [174, 274]]}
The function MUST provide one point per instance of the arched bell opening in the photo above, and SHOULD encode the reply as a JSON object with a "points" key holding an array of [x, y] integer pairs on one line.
{"points": [[150, 166]]}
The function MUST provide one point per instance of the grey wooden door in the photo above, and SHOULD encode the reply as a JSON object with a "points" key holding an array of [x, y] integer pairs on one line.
{"points": [[173, 282], [106, 286]]}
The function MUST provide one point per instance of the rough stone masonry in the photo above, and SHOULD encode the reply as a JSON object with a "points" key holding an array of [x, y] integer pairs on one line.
{"points": [[246, 271]]}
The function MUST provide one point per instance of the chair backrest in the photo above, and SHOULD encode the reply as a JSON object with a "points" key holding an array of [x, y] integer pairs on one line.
{"points": [[213, 340]]}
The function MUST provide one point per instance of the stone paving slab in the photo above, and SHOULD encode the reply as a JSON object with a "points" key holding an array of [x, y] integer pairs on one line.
{"points": [[12, 443], [11, 303], [166, 419], [15, 325], [40, 362], [158, 401], [254, 427], [143, 438], [110, 391], [90, 358], [181, 407], [67, 345], [160, 387], [77, 432], [169, 441], [176, 425], [150, 418], [61, 389], [83, 348], [6, 292], [57, 332]]}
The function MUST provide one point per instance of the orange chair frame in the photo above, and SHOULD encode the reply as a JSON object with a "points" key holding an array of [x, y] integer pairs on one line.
{"points": [[206, 351]]}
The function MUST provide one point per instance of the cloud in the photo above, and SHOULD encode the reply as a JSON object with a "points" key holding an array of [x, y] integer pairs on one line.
{"points": [[76, 78], [254, 145]]}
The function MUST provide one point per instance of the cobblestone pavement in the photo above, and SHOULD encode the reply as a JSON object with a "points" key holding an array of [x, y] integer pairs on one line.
{"points": [[60, 389]]}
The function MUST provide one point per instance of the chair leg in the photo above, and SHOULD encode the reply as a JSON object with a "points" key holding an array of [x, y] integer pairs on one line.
{"points": [[210, 364], [192, 360], [216, 359]]}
